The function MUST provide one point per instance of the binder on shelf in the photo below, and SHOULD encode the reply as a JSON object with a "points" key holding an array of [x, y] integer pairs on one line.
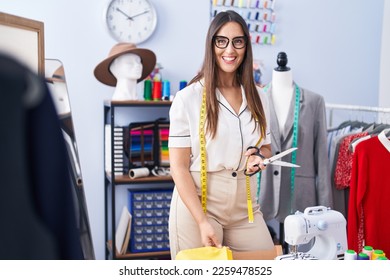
{"points": [[141, 143], [163, 130], [147, 144], [119, 158], [123, 231]]}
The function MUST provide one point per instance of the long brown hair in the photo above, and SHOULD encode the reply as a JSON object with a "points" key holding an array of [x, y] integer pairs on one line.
{"points": [[244, 75]]}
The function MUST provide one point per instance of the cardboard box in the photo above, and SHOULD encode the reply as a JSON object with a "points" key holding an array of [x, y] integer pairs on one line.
{"points": [[259, 255]]}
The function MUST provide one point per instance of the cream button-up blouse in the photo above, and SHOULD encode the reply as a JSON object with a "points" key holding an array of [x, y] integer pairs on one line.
{"points": [[235, 132]]}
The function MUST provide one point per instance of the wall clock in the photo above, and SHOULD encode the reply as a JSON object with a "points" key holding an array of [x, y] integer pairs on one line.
{"points": [[132, 21]]}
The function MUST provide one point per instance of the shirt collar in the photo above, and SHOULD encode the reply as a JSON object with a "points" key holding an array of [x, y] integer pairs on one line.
{"points": [[224, 102], [384, 140]]}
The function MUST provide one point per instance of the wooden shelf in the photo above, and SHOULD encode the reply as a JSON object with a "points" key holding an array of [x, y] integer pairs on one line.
{"points": [[146, 255], [127, 179], [137, 103], [124, 179]]}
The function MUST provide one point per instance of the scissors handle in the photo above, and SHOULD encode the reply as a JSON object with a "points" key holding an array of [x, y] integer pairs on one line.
{"points": [[257, 153]]}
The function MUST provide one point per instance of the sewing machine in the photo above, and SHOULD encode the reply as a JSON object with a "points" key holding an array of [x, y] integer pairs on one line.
{"points": [[326, 226]]}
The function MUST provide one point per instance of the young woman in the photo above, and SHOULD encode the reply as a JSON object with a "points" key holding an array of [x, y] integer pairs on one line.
{"points": [[214, 122]]}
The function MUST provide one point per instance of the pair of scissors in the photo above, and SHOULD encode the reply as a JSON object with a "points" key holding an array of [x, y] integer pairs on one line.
{"points": [[274, 159]]}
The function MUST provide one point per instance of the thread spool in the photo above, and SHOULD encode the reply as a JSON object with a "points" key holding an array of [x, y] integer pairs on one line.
{"points": [[139, 172], [377, 253], [350, 255], [368, 250], [166, 92], [156, 90], [182, 84], [148, 90], [363, 257]]}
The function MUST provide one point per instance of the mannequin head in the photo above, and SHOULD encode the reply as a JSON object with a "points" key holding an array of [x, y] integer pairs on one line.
{"points": [[127, 66], [282, 62], [127, 69], [125, 61]]}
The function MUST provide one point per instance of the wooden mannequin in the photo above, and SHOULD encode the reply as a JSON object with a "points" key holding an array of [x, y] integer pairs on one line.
{"points": [[127, 69], [282, 89]]}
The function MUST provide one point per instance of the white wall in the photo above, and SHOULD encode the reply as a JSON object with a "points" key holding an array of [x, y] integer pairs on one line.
{"points": [[333, 48], [384, 81]]}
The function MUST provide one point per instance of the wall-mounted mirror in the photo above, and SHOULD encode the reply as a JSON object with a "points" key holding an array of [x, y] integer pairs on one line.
{"points": [[55, 78]]}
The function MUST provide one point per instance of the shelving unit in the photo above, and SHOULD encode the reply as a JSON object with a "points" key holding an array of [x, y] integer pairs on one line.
{"points": [[122, 113]]}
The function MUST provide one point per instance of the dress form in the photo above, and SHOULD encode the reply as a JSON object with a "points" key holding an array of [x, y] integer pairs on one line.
{"points": [[282, 89], [127, 69]]}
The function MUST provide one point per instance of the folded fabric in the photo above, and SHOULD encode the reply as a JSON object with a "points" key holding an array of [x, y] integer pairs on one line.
{"points": [[205, 253]]}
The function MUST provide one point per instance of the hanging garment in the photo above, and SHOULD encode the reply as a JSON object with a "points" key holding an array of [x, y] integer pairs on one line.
{"points": [[369, 200], [36, 204], [341, 150], [341, 170], [342, 173], [312, 180]]}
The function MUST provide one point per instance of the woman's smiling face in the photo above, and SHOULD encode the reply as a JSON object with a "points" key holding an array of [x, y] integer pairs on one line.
{"points": [[230, 58]]}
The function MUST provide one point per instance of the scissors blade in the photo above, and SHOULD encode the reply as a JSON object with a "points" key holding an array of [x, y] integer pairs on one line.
{"points": [[278, 156], [284, 163]]}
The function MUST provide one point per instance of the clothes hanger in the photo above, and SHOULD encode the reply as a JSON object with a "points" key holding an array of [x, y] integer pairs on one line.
{"points": [[369, 127], [379, 128], [387, 132], [344, 124]]}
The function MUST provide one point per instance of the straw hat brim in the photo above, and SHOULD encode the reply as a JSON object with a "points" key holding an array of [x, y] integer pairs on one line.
{"points": [[102, 70]]}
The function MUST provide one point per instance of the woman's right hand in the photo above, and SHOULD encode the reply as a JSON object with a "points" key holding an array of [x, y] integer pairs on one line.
{"points": [[208, 236]]}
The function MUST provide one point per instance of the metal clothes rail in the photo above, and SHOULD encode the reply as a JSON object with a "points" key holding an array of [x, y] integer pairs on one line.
{"points": [[331, 107]]}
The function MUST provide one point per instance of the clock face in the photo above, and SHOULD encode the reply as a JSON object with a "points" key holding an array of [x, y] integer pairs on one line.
{"points": [[132, 21]]}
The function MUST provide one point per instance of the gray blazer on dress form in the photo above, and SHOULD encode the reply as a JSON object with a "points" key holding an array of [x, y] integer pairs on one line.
{"points": [[312, 179]]}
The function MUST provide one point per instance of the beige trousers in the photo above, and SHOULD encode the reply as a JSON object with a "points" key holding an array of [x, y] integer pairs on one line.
{"points": [[227, 212]]}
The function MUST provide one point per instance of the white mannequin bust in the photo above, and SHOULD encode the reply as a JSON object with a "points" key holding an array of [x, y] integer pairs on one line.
{"points": [[127, 69], [282, 92]]}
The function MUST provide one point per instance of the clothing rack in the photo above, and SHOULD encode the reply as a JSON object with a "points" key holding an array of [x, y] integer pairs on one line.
{"points": [[332, 107]]}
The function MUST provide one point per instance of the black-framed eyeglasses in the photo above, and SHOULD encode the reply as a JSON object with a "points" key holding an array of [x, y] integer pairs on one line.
{"points": [[222, 42]]}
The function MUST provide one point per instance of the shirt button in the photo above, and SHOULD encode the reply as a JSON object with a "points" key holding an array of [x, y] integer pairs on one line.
{"points": [[276, 172], [234, 174]]}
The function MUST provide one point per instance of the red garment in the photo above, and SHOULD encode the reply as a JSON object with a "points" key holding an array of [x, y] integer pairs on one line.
{"points": [[342, 173], [369, 201]]}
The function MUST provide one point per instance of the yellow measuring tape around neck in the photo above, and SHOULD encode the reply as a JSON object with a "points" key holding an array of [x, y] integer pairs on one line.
{"points": [[202, 139], [203, 160]]}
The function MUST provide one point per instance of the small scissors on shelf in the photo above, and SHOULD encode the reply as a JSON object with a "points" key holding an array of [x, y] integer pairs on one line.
{"points": [[273, 160]]}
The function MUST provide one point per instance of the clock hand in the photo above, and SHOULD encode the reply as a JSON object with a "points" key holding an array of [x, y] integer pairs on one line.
{"points": [[147, 11], [128, 17]]}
